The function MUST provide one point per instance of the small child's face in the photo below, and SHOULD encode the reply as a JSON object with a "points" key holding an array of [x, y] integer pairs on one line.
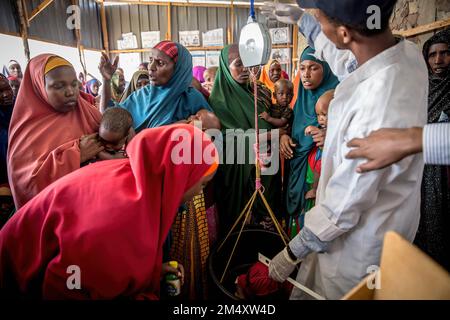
{"points": [[322, 112], [284, 95], [209, 76], [113, 141]]}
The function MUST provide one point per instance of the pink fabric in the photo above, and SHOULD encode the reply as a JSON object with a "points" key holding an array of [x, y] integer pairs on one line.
{"points": [[110, 219], [43, 143]]}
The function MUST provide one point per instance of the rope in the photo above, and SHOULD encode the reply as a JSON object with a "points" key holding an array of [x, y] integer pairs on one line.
{"points": [[252, 9], [258, 184]]}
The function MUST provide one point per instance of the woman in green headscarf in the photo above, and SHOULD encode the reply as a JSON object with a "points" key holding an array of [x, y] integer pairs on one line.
{"points": [[117, 86], [316, 78], [139, 80], [233, 103]]}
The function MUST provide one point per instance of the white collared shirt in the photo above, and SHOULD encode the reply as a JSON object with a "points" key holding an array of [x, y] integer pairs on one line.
{"points": [[353, 210]]}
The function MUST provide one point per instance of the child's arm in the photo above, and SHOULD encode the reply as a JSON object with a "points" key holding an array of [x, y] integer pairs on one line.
{"points": [[273, 121], [103, 155]]}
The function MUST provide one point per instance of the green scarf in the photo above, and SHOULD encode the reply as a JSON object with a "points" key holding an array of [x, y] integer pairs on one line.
{"points": [[233, 104], [132, 86], [304, 115]]}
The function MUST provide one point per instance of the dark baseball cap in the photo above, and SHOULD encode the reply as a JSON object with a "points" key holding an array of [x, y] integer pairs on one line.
{"points": [[351, 12]]}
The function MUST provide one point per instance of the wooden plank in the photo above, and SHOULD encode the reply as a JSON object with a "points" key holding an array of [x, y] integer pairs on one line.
{"points": [[233, 18], [104, 28], [23, 29], [39, 9], [423, 29], [148, 49], [294, 49], [169, 22], [184, 4]]}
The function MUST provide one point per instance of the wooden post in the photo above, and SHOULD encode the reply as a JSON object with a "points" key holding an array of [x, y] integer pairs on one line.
{"points": [[294, 49], [169, 21], [80, 47], [104, 27], [25, 11], [23, 28], [232, 23]]}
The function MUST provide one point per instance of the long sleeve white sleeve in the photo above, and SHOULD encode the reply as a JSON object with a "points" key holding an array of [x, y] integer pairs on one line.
{"points": [[436, 143]]}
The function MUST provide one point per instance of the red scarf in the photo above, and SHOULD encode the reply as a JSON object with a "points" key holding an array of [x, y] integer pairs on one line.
{"points": [[110, 219], [43, 143]]}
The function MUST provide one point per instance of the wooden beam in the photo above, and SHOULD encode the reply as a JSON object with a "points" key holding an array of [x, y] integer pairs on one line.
{"points": [[423, 29], [169, 22], [294, 48], [44, 4], [23, 28], [181, 4], [25, 12], [148, 49], [232, 23], [104, 27]]}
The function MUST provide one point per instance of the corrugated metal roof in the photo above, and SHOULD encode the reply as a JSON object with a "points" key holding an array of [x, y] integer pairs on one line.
{"points": [[50, 25], [139, 18], [8, 24]]}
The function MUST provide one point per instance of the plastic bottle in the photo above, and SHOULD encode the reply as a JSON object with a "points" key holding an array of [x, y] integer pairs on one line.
{"points": [[173, 282]]}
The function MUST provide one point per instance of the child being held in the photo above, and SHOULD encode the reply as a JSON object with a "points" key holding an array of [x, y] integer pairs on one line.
{"points": [[257, 285], [208, 120], [280, 114], [209, 75], [315, 155], [115, 132]]}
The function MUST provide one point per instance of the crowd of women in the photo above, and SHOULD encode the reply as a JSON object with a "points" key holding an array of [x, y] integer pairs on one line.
{"points": [[121, 220]]}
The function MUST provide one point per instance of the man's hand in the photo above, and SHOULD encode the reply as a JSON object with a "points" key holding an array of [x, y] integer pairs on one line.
{"points": [[286, 145], [281, 266], [385, 147], [283, 12], [107, 68]]}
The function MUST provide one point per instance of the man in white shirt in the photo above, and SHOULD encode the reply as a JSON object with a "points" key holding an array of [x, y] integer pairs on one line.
{"points": [[384, 83]]}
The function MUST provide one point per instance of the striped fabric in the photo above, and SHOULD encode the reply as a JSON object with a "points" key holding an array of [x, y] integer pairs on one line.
{"points": [[436, 144], [169, 48]]}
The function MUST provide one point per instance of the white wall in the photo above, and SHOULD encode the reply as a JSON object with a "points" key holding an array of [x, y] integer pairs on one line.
{"points": [[12, 48]]}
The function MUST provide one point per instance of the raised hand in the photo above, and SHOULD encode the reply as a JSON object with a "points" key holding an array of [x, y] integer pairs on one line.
{"points": [[107, 68]]}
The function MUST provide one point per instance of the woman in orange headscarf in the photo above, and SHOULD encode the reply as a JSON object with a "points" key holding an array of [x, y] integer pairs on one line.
{"points": [[108, 220], [48, 127], [271, 73]]}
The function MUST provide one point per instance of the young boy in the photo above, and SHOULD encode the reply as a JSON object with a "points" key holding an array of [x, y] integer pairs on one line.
{"points": [[315, 155], [115, 132], [384, 83], [280, 114]]}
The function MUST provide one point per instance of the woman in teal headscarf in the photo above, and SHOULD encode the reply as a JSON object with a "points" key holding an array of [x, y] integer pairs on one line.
{"points": [[233, 103], [316, 79], [169, 98]]}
